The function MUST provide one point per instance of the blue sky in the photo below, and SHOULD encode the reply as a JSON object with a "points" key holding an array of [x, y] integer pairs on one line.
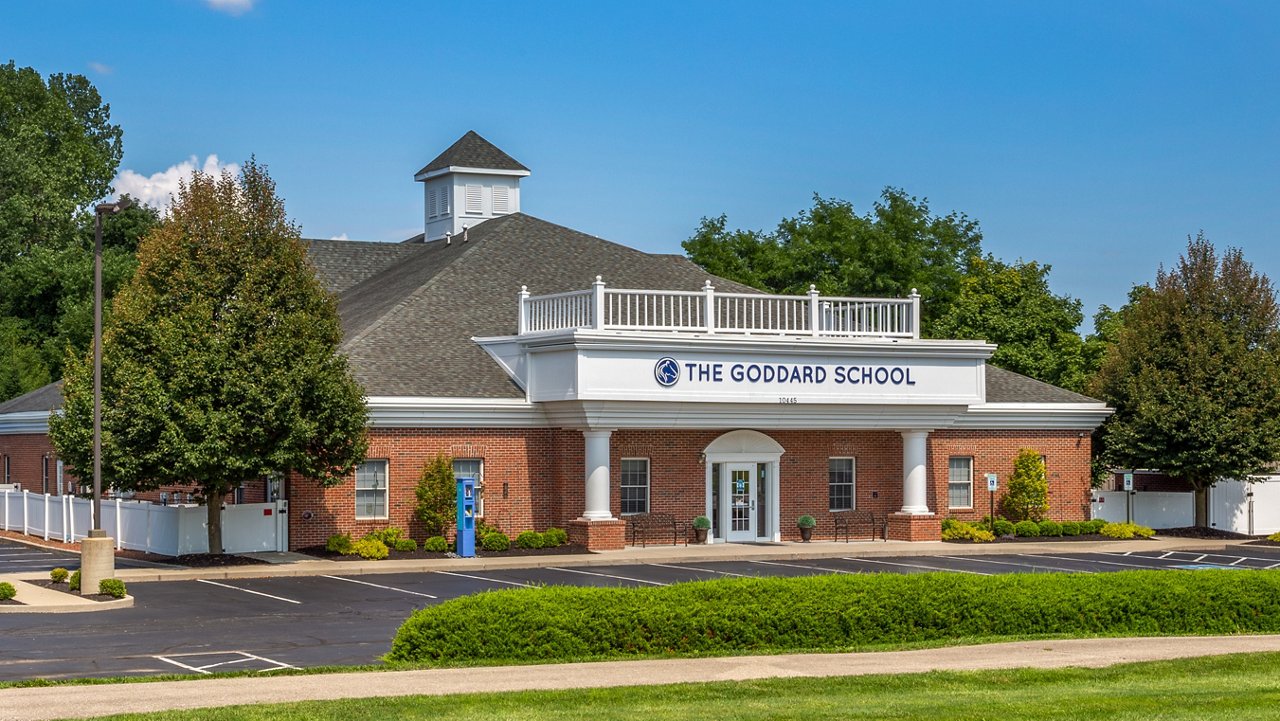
{"points": [[1094, 136]]}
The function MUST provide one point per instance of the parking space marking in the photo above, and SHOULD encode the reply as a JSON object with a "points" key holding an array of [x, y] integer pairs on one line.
{"points": [[1199, 559], [701, 570], [607, 575], [490, 580], [807, 568], [378, 585], [917, 565], [1010, 563], [256, 593], [1091, 560], [244, 657], [25, 553]]}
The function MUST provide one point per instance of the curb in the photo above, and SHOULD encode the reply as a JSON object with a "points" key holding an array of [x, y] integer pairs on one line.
{"points": [[82, 607]]}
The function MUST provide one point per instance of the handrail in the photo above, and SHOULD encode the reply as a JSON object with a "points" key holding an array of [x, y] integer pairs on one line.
{"points": [[708, 311]]}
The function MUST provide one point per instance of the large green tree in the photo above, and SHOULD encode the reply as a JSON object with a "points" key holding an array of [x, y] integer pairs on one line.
{"points": [[1011, 305], [898, 246], [1194, 373], [58, 154], [220, 362]]}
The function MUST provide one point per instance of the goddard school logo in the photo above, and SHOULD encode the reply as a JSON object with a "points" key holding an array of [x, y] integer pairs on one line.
{"points": [[666, 371]]}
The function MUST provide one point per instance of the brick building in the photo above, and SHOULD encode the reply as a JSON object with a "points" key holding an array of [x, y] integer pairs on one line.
{"points": [[581, 382]]}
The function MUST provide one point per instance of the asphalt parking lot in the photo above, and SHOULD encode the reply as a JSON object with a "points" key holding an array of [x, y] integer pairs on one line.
{"points": [[273, 623], [21, 558]]}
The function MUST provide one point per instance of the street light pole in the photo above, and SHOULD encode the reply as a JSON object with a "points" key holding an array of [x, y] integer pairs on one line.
{"points": [[97, 559]]}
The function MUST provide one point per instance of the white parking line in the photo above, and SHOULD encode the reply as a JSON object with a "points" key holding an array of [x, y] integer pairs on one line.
{"points": [[807, 568], [27, 560], [1007, 563], [490, 580], [918, 565], [377, 585], [205, 669], [27, 553], [256, 593], [607, 575], [1090, 560], [701, 570]]}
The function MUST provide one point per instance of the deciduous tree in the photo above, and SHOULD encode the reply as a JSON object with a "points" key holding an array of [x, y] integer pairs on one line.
{"points": [[220, 361], [1194, 373]]}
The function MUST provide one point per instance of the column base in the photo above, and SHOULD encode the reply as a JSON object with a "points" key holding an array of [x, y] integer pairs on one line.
{"points": [[97, 561], [610, 535], [914, 527]]}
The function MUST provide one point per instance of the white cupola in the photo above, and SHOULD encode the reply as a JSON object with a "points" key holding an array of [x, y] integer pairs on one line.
{"points": [[468, 184]]}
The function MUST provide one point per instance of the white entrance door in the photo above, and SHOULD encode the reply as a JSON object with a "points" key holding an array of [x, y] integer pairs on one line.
{"points": [[741, 493]]}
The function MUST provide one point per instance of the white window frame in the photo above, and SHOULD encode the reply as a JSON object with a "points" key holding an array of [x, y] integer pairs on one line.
{"points": [[648, 483], [386, 490], [853, 482], [479, 480], [951, 482]]}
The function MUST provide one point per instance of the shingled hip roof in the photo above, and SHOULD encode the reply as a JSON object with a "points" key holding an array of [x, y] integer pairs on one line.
{"points": [[473, 151]]}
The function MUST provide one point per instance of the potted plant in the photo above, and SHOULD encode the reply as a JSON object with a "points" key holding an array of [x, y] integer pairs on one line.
{"points": [[806, 523], [701, 524]]}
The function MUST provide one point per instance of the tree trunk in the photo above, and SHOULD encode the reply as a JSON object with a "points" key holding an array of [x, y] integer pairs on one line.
{"points": [[214, 522], [1202, 507]]}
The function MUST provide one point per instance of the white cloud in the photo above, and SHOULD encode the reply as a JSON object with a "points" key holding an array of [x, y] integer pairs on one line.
{"points": [[157, 190], [101, 68], [231, 7], [343, 236]]}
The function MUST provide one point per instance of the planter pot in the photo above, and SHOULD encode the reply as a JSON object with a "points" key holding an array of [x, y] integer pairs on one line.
{"points": [[700, 535], [806, 534]]}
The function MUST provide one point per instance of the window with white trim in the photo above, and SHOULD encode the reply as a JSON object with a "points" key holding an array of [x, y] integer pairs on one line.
{"points": [[472, 468], [371, 490], [474, 196], [635, 485], [960, 482], [840, 484]]}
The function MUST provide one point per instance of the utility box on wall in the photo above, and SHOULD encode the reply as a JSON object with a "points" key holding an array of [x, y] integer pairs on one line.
{"points": [[466, 521]]}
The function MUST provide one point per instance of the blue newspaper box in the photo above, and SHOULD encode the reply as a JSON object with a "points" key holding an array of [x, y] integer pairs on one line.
{"points": [[466, 538]]}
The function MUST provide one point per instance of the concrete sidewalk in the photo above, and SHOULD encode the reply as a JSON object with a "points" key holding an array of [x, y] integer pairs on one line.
{"points": [[58, 702]]}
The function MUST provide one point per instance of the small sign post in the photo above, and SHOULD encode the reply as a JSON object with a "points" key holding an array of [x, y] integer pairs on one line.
{"points": [[1128, 498], [992, 485]]}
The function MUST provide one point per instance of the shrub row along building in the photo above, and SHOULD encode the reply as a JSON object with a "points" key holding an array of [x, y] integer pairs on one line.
{"points": [[582, 382]]}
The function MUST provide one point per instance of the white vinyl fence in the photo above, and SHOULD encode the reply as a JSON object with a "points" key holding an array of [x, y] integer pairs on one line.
{"points": [[143, 526], [1251, 508], [1155, 509]]}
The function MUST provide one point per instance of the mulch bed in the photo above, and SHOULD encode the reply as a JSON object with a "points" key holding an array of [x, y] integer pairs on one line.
{"points": [[192, 560], [1044, 539], [66, 588], [11, 602], [1199, 532], [569, 549], [1263, 542]]}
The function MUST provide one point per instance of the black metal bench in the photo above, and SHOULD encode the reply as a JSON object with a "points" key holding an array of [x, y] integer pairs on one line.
{"points": [[643, 526], [856, 521]]}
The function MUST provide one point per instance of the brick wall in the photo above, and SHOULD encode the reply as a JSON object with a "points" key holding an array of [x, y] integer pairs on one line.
{"points": [[26, 453]]}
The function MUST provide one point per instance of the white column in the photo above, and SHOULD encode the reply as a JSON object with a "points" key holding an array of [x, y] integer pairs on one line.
{"points": [[597, 467], [915, 489]]}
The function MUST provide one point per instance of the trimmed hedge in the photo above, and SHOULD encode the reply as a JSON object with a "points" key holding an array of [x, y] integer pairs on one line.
{"points": [[58, 575], [831, 613], [1027, 529], [1126, 531], [1050, 528], [73, 582], [553, 537], [7, 591], [1004, 528], [495, 541], [371, 549], [436, 544], [529, 539], [111, 587]]}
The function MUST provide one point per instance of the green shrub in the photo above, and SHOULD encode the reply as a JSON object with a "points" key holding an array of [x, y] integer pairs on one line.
{"points": [[1004, 528], [701, 523], [58, 575], [370, 548], [953, 530], [435, 544], [1126, 531], [1027, 529], [1093, 527], [437, 493], [1071, 528], [73, 582], [806, 521], [339, 543], [832, 613], [1050, 528], [1274, 537], [7, 591], [405, 545], [495, 541], [111, 587], [1027, 498], [529, 539], [553, 537], [388, 536]]}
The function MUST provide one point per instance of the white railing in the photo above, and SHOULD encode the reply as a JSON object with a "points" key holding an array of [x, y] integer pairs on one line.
{"points": [[144, 526], [706, 311]]}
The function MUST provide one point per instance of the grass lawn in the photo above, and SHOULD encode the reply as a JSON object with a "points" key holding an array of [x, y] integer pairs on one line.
{"points": [[1245, 686]]}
